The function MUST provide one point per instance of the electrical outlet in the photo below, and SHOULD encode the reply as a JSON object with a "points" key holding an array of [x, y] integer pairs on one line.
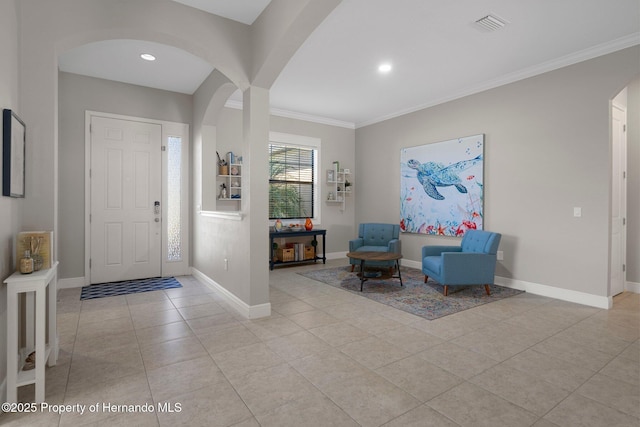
{"points": [[500, 256], [577, 212]]}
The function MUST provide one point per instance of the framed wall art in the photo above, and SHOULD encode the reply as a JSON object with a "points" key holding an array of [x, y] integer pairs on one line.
{"points": [[13, 154], [442, 187]]}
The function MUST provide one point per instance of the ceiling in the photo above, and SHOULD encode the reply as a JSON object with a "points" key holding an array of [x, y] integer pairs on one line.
{"points": [[437, 52]]}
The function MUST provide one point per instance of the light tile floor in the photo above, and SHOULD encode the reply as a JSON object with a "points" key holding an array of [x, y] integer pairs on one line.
{"points": [[326, 357]]}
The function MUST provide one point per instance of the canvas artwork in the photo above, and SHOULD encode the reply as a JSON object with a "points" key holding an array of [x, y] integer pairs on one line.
{"points": [[441, 187]]}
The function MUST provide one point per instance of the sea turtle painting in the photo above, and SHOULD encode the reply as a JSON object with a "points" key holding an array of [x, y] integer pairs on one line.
{"points": [[432, 175]]}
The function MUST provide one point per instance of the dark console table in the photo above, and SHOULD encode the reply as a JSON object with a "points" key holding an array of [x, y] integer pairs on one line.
{"points": [[286, 234]]}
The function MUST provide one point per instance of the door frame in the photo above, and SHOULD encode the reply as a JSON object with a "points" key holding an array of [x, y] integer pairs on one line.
{"points": [[622, 180], [169, 129]]}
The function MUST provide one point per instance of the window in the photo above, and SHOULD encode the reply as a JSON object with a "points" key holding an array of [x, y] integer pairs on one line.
{"points": [[174, 186], [292, 180]]}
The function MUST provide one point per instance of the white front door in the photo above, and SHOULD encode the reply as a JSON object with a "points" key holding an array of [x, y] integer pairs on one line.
{"points": [[618, 199], [126, 185]]}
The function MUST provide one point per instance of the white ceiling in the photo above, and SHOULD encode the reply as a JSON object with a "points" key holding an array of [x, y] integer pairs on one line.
{"points": [[437, 52]]}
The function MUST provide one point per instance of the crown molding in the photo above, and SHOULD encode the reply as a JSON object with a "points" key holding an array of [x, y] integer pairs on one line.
{"points": [[565, 61], [232, 103]]}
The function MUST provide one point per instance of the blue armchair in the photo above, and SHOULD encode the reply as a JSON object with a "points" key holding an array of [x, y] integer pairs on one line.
{"points": [[376, 237], [471, 263]]}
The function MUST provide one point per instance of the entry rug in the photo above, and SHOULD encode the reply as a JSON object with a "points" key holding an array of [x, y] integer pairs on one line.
{"points": [[416, 297], [127, 287]]}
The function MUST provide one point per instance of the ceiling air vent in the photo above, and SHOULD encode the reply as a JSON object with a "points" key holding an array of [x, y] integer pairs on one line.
{"points": [[491, 23]]}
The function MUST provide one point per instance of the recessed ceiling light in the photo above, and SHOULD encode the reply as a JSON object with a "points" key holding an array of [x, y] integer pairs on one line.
{"points": [[384, 68], [148, 57]]}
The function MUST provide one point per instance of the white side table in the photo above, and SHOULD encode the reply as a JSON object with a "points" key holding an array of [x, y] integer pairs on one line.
{"points": [[34, 283]]}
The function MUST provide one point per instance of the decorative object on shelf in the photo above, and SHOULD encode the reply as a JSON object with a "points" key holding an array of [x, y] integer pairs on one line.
{"points": [[308, 225], [235, 183], [40, 246], [331, 196], [330, 175], [336, 166], [223, 191], [347, 184], [278, 225], [223, 167], [13, 154], [231, 158], [234, 170], [347, 171], [26, 263]]}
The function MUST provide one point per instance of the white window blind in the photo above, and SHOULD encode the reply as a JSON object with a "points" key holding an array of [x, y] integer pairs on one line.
{"points": [[291, 181]]}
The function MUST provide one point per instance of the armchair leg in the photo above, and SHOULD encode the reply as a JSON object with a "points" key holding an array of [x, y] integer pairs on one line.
{"points": [[486, 288], [446, 290], [352, 267], [426, 278]]}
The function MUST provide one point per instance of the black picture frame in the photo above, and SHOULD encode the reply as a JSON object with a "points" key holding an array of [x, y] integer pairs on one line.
{"points": [[13, 154]]}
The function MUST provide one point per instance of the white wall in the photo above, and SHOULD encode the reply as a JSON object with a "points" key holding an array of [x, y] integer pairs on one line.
{"points": [[633, 182], [547, 149], [10, 209]]}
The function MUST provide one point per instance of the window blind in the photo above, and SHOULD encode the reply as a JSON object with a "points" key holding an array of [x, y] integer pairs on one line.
{"points": [[291, 181]]}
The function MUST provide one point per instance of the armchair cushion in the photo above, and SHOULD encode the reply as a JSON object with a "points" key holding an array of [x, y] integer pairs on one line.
{"points": [[471, 263], [376, 237]]}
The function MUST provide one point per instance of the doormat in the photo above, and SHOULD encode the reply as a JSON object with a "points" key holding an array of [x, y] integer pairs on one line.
{"points": [[127, 287], [416, 297]]}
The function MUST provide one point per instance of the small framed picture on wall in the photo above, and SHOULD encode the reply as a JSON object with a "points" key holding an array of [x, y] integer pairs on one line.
{"points": [[331, 175]]}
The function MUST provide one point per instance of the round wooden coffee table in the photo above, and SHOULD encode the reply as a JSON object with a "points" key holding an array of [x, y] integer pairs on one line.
{"points": [[376, 256]]}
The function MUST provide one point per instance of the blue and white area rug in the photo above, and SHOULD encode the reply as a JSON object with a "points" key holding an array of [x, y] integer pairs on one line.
{"points": [[416, 297], [127, 287]]}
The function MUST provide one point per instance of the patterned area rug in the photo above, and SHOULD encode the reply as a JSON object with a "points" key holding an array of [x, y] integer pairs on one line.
{"points": [[416, 297], [128, 287]]}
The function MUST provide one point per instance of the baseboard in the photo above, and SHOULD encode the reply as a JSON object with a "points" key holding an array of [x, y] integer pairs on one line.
{"points": [[248, 311], [73, 282], [3, 390], [557, 293], [336, 255], [632, 287]]}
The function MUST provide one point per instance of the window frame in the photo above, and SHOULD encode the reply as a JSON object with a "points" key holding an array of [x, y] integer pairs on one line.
{"points": [[306, 142]]}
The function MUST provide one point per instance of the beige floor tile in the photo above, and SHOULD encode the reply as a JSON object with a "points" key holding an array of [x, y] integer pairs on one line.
{"points": [[410, 339], [496, 348], [421, 379], [169, 352], [527, 391], [422, 416], [459, 361], [312, 319], [577, 410], [619, 395], [578, 355], [243, 361], [315, 410], [623, 369], [216, 406], [102, 365], [227, 339], [205, 325], [272, 387], [111, 326], [291, 307], [163, 333], [375, 324], [143, 298], [595, 338], [369, 399], [297, 345], [632, 352], [373, 352], [551, 369], [201, 310], [146, 319], [266, 329], [339, 334], [329, 367], [187, 291], [103, 303], [169, 381], [100, 315], [470, 405], [453, 326], [189, 301]]}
